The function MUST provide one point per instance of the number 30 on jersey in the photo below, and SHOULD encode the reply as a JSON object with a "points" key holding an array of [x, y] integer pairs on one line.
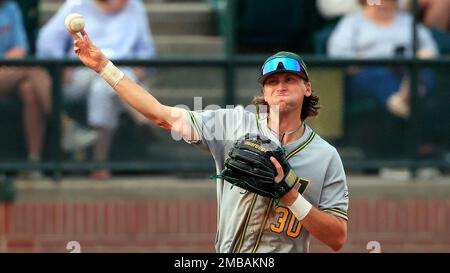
{"points": [[286, 221]]}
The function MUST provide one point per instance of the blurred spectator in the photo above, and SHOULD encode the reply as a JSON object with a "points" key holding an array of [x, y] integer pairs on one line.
{"points": [[121, 28], [433, 13], [381, 31], [264, 26], [331, 11], [334, 9], [33, 85]]}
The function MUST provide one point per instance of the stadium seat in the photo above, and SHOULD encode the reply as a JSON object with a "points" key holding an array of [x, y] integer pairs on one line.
{"points": [[265, 26], [321, 37], [442, 39]]}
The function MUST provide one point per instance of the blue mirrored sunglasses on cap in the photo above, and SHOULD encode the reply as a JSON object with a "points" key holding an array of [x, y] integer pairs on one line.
{"points": [[288, 64]]}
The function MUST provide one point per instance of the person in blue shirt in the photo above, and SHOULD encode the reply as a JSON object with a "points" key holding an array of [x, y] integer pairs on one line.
{"points": [[33, 85], [382, 31], [122, 28], [13, 42]]}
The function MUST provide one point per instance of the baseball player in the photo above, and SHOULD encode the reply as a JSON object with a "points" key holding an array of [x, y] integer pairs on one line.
{"points": [[248, 222]]}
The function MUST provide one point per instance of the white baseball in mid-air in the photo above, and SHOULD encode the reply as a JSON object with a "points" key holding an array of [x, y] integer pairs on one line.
{"points": [[74, 22]]}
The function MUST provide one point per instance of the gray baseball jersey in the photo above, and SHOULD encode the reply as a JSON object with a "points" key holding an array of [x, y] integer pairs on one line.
{"points": [[248, 222]]}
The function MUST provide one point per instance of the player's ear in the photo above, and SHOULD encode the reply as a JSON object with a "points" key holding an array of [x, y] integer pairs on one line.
{"points": [[308, 90]]}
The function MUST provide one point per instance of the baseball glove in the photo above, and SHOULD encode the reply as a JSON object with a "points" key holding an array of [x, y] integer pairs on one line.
{"points": [[250, 168]]}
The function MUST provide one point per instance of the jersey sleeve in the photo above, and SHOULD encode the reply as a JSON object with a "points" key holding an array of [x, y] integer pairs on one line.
{"points": [[214, 127], [334, 197]]}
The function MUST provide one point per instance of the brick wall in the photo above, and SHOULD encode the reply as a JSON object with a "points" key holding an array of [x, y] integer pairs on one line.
{"points": [[402, 225], [405, 225]]}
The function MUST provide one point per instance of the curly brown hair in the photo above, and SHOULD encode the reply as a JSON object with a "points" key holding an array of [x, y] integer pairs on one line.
{"points": [[310, 106]]}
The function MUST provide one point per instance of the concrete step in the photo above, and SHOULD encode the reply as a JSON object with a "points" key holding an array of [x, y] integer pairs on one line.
{"points": [[186, 77], [173, 18], [202, 77], [175, 186], [180, 85], [182, 19], [189, 45], [77, 187]]}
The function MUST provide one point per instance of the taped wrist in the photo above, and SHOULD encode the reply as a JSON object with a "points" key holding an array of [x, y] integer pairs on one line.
{"points": [[301, 207], [111, 74]]}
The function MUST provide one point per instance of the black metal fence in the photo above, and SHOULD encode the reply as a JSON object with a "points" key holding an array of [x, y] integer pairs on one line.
{"points": [[368, 138], [196, 161]]}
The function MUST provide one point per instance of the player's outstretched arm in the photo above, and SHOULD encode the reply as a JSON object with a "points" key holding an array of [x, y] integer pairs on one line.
{"points": [[169, 118]]}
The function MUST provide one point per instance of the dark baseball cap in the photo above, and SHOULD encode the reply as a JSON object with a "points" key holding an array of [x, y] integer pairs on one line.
{"points": [[283, 62]]}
